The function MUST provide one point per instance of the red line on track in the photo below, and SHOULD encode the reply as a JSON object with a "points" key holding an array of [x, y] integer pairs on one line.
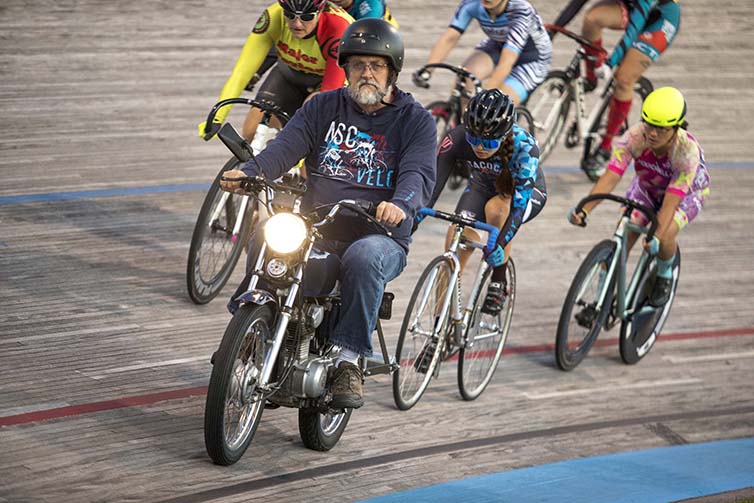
{"points": [[148, 399]]}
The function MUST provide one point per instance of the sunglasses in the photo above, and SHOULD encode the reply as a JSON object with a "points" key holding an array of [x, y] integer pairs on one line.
{"points": [[486, 144], [303, 16]]}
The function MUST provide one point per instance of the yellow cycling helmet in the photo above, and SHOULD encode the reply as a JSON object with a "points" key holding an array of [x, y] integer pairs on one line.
{"points": [[664, 107]]}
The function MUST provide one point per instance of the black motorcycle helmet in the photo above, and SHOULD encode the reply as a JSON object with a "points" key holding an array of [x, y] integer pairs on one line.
{"points": [[372, 37], [490, 114]]}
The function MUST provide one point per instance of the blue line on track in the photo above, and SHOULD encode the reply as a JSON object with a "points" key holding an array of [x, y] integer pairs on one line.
{"points": [[91, 194], [156, 189], [655, 475]]}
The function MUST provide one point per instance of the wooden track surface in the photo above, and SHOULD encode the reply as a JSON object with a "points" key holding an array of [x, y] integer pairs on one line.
{"points": [[106, 95]]}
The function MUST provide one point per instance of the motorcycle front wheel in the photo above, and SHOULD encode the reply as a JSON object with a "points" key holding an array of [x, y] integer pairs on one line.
{"points": [[234, 405]]}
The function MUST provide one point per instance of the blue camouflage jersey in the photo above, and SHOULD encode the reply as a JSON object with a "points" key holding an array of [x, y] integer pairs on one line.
{"points": [[519, 28], [523, 167]]}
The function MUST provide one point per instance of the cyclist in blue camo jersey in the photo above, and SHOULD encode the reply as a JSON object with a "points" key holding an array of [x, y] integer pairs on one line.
{"points": [[506, 187], [516, 54], [359, 9]]}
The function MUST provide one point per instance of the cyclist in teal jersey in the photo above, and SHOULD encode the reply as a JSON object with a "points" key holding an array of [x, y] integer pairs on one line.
{"points": [[650, 27], [359, 9]]}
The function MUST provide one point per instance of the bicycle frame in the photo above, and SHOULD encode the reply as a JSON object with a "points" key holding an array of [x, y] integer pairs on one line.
{"points": [[460, 317], [618, 264]]}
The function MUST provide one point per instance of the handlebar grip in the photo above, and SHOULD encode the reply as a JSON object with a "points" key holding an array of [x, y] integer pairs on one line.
{"points": [[494, 233]]}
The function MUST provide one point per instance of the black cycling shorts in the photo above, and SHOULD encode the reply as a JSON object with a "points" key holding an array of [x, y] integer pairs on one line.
{"points": [[288, 88]]}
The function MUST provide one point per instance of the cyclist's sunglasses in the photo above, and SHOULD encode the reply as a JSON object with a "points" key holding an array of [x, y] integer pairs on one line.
{"points": [[303, 16], [486, 144]]}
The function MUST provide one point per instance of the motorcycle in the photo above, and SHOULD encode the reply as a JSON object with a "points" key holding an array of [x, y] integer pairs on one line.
{"points": [[275, 350]]}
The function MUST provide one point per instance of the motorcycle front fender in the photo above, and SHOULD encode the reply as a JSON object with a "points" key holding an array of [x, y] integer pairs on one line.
{"points": [[259, 297]]}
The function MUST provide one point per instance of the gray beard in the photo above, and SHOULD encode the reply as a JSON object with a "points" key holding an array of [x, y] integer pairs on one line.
{"points": [[367, 95]]}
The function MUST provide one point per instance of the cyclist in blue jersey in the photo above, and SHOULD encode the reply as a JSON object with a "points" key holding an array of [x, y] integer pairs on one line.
{"points": [[650, 27], [516, 54], [359, 9], [506, 187]]}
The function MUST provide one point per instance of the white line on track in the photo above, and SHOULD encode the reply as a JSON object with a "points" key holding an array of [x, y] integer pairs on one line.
{"points": [[146, 365], [612, 388], [708, 358], [71, 333]]}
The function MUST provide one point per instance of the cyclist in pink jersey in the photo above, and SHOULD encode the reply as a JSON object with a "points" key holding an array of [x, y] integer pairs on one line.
{"points": [[671, 177]]}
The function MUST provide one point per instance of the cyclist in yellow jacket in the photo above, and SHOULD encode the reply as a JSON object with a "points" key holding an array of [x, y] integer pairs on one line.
{"points": [[305, 35]]}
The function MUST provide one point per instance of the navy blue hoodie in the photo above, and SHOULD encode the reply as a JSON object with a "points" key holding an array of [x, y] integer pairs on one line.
{"points": [[388, 155]]}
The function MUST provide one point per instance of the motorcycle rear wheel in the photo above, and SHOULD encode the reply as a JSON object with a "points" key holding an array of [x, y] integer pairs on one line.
{"points": [[320, 432]]}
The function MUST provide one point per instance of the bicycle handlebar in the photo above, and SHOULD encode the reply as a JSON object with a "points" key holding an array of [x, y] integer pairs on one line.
{"points": [[458, 219], [576, 37], [265, 106], [630, 205], [252, 184], [460, 72]]}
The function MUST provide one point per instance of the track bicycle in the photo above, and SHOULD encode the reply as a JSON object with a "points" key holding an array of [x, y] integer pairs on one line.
{"points": [[437, 325], [550, 104], [449, 113], [225, 219], [599, 296]]}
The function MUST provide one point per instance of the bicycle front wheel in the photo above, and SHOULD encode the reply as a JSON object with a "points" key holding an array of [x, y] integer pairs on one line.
{"points": [[485, 339], [422, 338], [581, 321], [548, 106], [639, 332], [215, 248]]}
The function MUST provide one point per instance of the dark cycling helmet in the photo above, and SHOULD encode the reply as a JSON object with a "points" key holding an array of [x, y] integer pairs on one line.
{"points": [[302, 6], [490, 114], [372, 37], [664, 107]]}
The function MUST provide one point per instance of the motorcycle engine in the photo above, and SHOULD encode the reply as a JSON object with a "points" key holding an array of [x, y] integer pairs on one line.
{"points": [[308, 379]]}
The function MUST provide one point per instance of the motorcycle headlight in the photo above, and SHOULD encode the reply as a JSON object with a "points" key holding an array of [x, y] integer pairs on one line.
{"points": [[285, 232]]}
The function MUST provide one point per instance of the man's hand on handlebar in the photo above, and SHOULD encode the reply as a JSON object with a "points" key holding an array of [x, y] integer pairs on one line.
{"points": [[389, 214], [232, 186]]}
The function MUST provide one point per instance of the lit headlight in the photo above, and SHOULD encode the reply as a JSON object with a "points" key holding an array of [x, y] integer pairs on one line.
{"points": [[284, 232]]}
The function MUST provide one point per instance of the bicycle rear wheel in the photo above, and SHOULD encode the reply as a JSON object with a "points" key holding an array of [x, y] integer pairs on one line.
{"points": [[214, 250], [642, 88], [580, 321], [422, 338], [485, 339], [525, 120], [548, 106], [639, 332]]}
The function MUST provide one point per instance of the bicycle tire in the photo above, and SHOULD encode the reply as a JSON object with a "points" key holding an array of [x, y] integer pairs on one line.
{"points": [[225, 389], [416, 364], [639, 332], [525, 120], [207, 272], [567, 354], [549, 117], [642, 88], [477, 350]]}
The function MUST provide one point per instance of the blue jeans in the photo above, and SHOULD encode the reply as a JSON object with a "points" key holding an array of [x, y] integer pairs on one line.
{"points": [[366, 265]]}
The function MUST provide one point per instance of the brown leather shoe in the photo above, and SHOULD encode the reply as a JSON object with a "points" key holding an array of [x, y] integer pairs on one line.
{"points": [[347, 387]]}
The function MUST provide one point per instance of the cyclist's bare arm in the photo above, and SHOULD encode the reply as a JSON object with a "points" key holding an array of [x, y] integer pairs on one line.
{"points": [[604, 185], [444, 45]]}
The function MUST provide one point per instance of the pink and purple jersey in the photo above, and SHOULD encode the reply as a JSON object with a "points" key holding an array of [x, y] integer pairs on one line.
{"points": [[681, 171]]}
